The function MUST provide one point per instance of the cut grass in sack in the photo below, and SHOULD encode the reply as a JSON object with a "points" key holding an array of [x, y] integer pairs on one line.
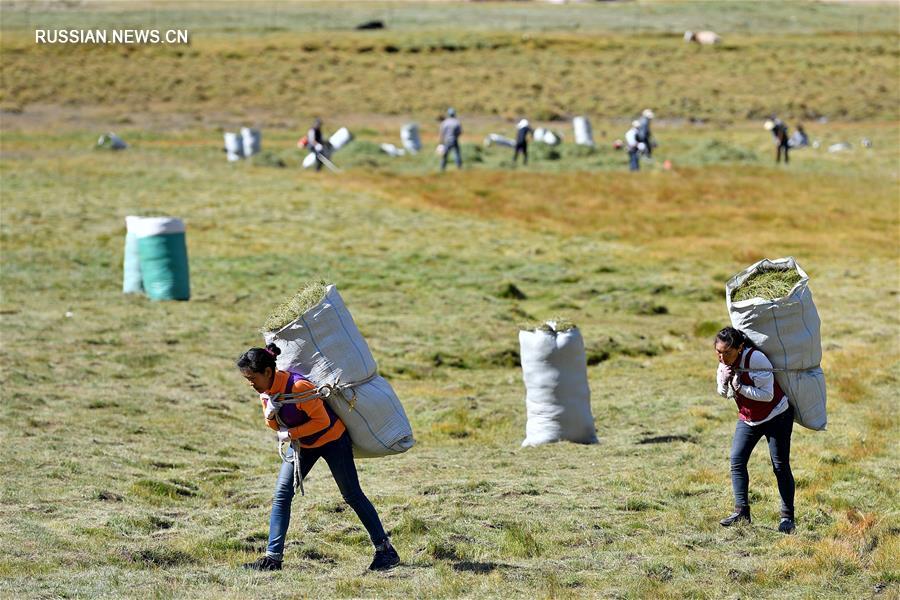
{"points": [[771, 302], [318, 339]]}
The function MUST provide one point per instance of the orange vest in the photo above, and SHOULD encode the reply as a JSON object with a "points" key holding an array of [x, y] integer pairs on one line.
{"points": [[311, 422]]}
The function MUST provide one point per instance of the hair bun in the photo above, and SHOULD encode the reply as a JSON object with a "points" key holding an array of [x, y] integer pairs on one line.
{"points": [[275, 350]]}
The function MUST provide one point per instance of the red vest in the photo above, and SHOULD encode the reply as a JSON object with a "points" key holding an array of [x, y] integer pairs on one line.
{"points": [[754, 410]]}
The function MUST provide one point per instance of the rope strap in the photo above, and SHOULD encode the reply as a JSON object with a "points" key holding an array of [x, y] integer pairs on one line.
{"points": [[322, 392]]}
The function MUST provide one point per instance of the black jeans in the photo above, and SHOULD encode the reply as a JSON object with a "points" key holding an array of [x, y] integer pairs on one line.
{"points": [[523, 148], [339, 456], [778, 435]]}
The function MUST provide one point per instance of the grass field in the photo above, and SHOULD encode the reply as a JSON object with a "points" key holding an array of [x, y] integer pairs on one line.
{"points": [[133, 457]]}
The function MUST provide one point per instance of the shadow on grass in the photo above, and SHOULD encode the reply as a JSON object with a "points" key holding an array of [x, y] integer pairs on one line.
{"points": [[479, 568], [665, 439]]}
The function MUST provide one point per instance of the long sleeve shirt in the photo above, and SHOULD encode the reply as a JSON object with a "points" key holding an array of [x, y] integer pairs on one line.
{"points": [[451, 129], [763, 388], [316, 426]]}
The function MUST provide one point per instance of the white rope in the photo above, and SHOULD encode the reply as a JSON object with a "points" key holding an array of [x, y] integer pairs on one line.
{"points": [[322, 392]]}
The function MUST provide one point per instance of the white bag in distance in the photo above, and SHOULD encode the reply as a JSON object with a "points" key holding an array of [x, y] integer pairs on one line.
{"points": [[499, 140], [546, 136], [584, 135], [409, 135], [392, 150], [557, 395], [787, 331], [251, 141], [325, 346], [234, 146], [340, 138]]}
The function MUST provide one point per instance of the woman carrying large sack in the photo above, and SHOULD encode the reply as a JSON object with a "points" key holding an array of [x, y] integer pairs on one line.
{"points": [[314, 431], [745, 374]]}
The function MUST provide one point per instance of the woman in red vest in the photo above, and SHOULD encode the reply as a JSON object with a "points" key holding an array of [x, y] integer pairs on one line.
{"points": [[314, 431], [745, 374]]}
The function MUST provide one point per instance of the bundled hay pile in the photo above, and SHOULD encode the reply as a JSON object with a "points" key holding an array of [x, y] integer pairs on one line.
{"points": [[318, 339], [557, 394], [296, 305], [767, 284], [771, 302]]}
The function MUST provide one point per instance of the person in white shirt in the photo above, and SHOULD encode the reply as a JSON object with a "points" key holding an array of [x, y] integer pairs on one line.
{"points": [[634, 146], [746, 375]]}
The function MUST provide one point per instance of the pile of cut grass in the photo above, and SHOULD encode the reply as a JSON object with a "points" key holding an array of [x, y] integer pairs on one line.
{"points": [[295, 306], [767, 284], [557, 325]]}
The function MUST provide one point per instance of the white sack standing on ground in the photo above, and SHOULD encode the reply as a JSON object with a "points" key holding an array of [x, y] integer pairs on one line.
{"points": [[251, 141], [234, 146], [131, 265], [557, 395], [409, 135], [325, 346], [584, 135], [545, 136], [787, 331]]}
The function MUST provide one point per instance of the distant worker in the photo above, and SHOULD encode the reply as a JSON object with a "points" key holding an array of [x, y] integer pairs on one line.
{"points": [[315, 141], [451, 129], [522, 131], [799, 139], [779, 131], [631, 141], [644, 131]]}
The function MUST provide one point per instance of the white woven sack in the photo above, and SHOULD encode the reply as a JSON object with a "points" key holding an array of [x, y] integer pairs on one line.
{"points": [[409, 135], [787, 331], [557, 395], [584, 135], [340, 138], [234, 146], [325, 346], [251, 141]]}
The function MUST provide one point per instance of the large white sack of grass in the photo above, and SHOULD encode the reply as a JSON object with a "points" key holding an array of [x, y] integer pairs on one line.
{"points": [[251, 141], [325, 346], [787, 331], [545, 136], [234, 146], [409, 135], [340, 138], [584, 135], [495, 139], [557, 395]]}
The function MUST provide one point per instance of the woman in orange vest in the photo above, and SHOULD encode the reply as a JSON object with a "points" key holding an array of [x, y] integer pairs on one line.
{"points": [[746, 375], [312, 427]]}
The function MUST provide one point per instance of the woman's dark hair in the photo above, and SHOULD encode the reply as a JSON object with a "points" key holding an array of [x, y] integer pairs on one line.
{"points": [[735, 338], [259, 359]]}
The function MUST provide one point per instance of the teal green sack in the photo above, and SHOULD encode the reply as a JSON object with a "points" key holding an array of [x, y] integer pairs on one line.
{"points": [[131, 277], [163, 258]]}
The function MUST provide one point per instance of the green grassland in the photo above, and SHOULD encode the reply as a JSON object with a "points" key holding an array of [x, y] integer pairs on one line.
{"points": [[133, 457]]}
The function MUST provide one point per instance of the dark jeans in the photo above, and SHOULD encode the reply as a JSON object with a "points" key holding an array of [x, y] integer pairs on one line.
{"points": [[455, 147], [523, 148], [634, 160], [782, 147], [778, 435], [339, 456]]}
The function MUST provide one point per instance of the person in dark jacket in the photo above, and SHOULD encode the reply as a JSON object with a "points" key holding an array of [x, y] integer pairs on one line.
{"points": [[779, 131], [522, 132], [315, 141]]}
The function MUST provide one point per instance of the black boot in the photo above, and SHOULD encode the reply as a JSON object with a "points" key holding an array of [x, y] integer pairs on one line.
{"points": [[786, 525], [266, 563], [741, 514], [386, 557]]}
